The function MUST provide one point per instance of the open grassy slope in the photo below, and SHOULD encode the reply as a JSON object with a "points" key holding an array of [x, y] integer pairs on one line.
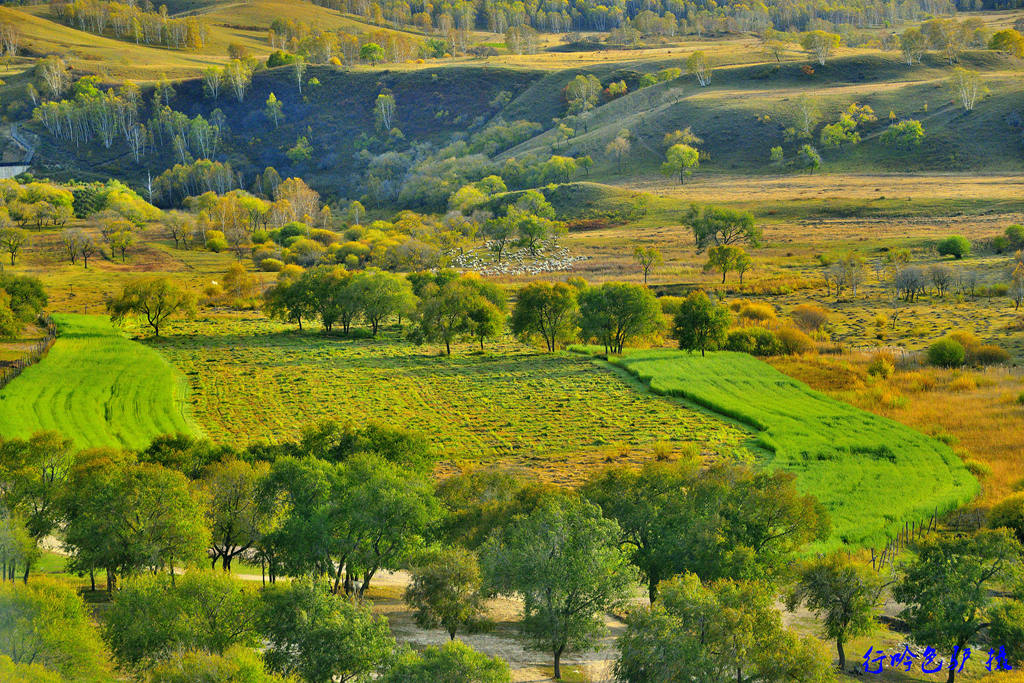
{"points": [[562, 416], [98, 388], [871, 473]]}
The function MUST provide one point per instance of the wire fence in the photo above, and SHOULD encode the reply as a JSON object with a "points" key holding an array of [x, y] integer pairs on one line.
{"points": [[35, 353]]}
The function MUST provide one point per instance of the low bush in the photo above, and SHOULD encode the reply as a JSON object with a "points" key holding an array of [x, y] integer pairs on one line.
{"points": [[271, 265], [978, 468], [990, 354], [760, 314], [947, 353], [794, 341], [882, 365], [810, 317], [1009, 513], [956, 246]]}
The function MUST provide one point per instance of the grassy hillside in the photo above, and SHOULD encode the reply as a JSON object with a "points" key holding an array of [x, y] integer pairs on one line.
{"points": [[871, 473], [562, 416], [98, 388]]}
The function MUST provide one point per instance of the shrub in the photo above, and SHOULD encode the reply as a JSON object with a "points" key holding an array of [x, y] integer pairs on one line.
{"points": [[990, 354], [794, 341], [810, 317], [963, 383], [903, 135], [215, 241], [765, 342], [947, 353], [956, 246], [741, 340], [757, 313], [1009, 513], [271, 265], [1015, 236], [882, 365]]}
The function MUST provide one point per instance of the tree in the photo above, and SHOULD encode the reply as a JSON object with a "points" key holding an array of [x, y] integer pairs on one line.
{"points": [[697, 64], [372, 53], [726, 258], [700, 324], [33, 477], [1017, 285], [806, 113], [956, 246], [720, 226], [1008, 41], [126, 517], [619, 148], [582, 93], [454, 662], [47, 623], [321, 637], [238, 76], [382, 295], [680, 160], [912, 45], [12, 240], [444, 312], [385, 111], [274, 110], [947, 590], [563, 561], [299, 71], [843, 595], [820, 43], [547, 310], [559, 168], [155, 297], [726, 631], [648, 258], [232, 512], [71, 239], [54, 76], [617, 313], [213, 80], [808, 157], [946, 35], [966, 86], [121, 241], [151, 620], [446, 590], [289, 299]]}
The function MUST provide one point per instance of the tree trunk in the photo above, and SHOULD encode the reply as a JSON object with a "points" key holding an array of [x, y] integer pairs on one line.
{"points": [[448, 347], [842, 653], [28, 566], [226, 562], [558, 664], [92, 579]]}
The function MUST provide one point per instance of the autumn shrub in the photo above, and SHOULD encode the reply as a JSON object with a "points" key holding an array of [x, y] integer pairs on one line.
{"points": [[990, 354], [757, 314], [794, 341], [810, 317], [271, 265], [882, 365]]}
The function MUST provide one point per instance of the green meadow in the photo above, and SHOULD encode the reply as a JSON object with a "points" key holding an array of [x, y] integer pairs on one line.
{"points": [[98, 388], [871, 473]]}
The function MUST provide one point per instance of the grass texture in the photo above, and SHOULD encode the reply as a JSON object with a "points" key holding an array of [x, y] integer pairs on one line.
{"points": [[98, 388], [871, 473]]}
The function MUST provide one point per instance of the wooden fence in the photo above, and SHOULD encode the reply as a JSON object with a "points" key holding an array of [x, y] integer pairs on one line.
{"points": [[11, 370]]}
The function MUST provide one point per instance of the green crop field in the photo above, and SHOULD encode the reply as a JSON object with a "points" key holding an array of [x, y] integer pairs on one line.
{"points": [[562, 415], [871, 473], [98, 388]]}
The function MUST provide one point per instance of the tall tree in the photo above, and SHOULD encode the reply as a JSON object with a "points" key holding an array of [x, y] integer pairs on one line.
{"points": [[381, 296], [680, 160], [12, 240], [446, 590], [321, 637], [726, 631], [232, 511], [565, 564], [547, 310], [843, 594], [617, 313], [948, 592], [715, 225]]}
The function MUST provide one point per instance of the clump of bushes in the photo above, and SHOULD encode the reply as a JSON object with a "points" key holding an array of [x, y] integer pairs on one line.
{"points": [[883, 365], [794, 342], [956, 246], [759, 341], [978, 468], [1009, 513], [755, 313], [947, 353]]}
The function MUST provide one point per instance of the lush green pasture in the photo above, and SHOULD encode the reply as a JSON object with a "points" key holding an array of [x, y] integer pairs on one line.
{"points": [[561, 415], [873, 474], [98, 388]]}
